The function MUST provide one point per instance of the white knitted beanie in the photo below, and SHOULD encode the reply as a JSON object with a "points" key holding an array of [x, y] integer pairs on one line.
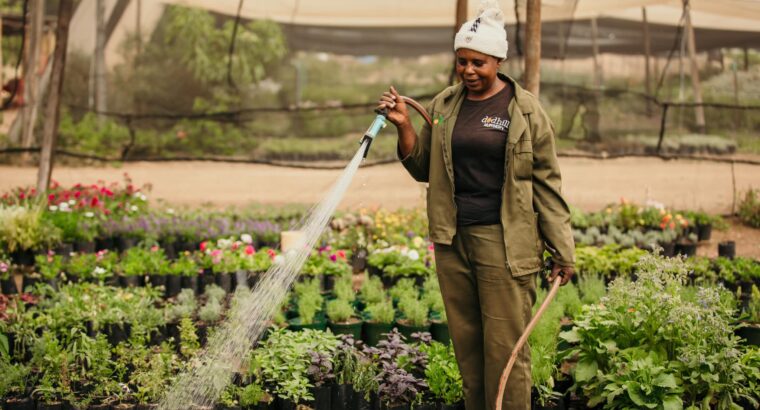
{"points": [[486, 33]]}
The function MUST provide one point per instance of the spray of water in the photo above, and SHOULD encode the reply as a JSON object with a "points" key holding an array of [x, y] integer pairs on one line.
{"points": [[203, 382]]}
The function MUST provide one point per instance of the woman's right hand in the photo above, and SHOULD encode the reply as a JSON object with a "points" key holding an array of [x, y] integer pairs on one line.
{"points": [[397, 112]]}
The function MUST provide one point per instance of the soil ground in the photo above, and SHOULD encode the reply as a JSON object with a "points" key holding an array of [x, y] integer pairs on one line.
{"points": [[587, 184]]}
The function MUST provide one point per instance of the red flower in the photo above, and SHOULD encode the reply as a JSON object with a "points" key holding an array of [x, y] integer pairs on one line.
{"points": [[154, 248], [51, 198], [342, 254], [249, 250], [94, 202], [21, 195], [271, 253], [203, 245], [77, 194]]}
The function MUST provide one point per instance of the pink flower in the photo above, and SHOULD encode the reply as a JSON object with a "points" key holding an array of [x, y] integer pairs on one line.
{"points": [[235, 245], [333, 257], [271, 253], [249, 250], [154, 248], [342, 254], [3, 267], [216, 252]]}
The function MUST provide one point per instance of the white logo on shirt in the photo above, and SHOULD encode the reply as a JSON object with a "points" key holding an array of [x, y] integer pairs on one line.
{"points": [[495, 122]]}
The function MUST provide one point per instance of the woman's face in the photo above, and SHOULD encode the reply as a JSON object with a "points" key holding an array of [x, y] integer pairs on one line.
{"points": [[476, 70]]}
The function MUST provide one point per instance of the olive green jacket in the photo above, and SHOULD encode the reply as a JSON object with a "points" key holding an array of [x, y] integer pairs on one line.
{"points": [[534, 215]]}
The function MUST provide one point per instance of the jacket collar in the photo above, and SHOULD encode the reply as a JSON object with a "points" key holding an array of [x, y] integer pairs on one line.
{"points": [[456, 92]]}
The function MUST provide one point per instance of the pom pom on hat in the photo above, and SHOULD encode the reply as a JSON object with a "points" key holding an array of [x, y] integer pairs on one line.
{"points": [[485, 33]]}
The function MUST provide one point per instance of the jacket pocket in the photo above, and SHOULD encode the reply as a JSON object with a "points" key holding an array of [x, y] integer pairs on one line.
{"points": [[523, 159]]}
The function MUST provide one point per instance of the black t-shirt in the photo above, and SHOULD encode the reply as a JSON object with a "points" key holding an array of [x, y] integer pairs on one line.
{"points": [[478, 149]]}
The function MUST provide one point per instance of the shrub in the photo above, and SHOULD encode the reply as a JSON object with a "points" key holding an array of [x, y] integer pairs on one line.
{"points": [[749, 208], [381, 312]]}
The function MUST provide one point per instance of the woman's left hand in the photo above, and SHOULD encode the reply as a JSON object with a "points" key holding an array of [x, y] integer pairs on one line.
{"points": [[567, 273]]}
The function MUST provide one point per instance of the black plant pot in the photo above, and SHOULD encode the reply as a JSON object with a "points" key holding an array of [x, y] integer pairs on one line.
{"points": [[223, 407], [19, 403], [704, 232], [173, 285], [169, 250], [129, 281], [374, 270], [157, 280], [157, 336], [30, 281], [322, 398], [285, 404], [9, 285], [126, 243], [328, 283], [440, 332], [342, 397], [83, 246], [123, 406], [727, 249], [224, 281], [686, 249], [23, 257], [146, 406], [668, 249], [104, 243], [65, 249], [99, 407], [425, 406], [353, 328], [117, 333], [360, 402], [359, 260], [53, 283], [50, 406], [190, 282], [205, 279], [384, 406], [407, 330], [373, 332], [253, 279], [455, 406], [172, 332], [750, 334]]}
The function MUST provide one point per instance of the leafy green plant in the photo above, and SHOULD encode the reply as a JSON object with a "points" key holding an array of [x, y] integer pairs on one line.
{"points": [[339, 310], [372, 290], [50, 266], [188, 337], [211, 312], [442, 373], [414, 311], [308, 306], [229, 396], [13, 378], [215, 293], [591, 288], [253, 394], [749, 208], [403, 288], [23, 228], [284, 358], [344, 289], [381, 312]]}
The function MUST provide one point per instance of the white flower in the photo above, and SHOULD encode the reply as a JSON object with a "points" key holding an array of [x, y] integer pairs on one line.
{"points": [[89, 214], [98, 271], [413, 255], [223, 243], [170, 211], [246, 238], [72, 202], [64, 206], [133, 208], [417, 241], [53, 208]]}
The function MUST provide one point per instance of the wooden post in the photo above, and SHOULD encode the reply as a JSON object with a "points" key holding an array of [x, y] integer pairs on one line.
{"points": [[52, 110], [595, 54], [699, 110], [647, 54], [31, 86], [746, 59], [459, 19], [533, 47], [100, 60]]}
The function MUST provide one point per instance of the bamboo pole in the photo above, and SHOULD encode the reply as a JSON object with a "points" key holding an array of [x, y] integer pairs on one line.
{"points": [[647, 54], [699, 110], [533, 47], [52, 110]]}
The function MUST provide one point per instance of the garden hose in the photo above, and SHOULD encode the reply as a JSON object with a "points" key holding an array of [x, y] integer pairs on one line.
{"points": [[524, 338], [382, 115]]}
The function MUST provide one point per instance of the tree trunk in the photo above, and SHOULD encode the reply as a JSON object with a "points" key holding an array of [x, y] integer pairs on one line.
{"points": [[100, 60], [595, 54], [692, 47], [31, 83], [52, 110], [647, 54], [533, 47], [460, 18]]}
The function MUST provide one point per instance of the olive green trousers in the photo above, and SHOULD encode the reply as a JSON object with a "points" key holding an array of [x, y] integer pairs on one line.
{"points": [[488, 309]]}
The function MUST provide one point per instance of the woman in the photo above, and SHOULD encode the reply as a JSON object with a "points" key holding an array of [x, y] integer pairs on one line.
{"points": [[494, 203]]}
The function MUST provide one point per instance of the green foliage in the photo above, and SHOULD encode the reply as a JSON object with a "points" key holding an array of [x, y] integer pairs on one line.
{"points": [[372, 290], [749, 208], [381, 312], [592, 289], [91, 136], [188, 344], [49, 266], [339, 310], [414, 310], [344, 289], [215, 293], [211, 312], [253, 394], [24, 228], [13, 378], [403, 288], [284, 358], [442, 373], [668, 343]]}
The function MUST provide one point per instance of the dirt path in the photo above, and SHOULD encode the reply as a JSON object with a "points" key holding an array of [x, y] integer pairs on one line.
{"points": [[588, 184]]}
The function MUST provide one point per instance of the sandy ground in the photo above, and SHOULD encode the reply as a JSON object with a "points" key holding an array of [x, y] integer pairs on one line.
{"points": [[588, 184]]}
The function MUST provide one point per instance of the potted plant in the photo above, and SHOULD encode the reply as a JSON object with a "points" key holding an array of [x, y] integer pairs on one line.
{"points": [[179, 269], [321, 376], [229, 398], [309, 305], [749, 328], [50, 356], [371, 291], [345, 362], [415, 316], [13, 385], [156, 266], [254, 397], [7, 280], [50, 267], [442, 375], [224, 266], [209, 315], [23, 232], [342, 319], [344, 289], [132, 267], [378, 321]]}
